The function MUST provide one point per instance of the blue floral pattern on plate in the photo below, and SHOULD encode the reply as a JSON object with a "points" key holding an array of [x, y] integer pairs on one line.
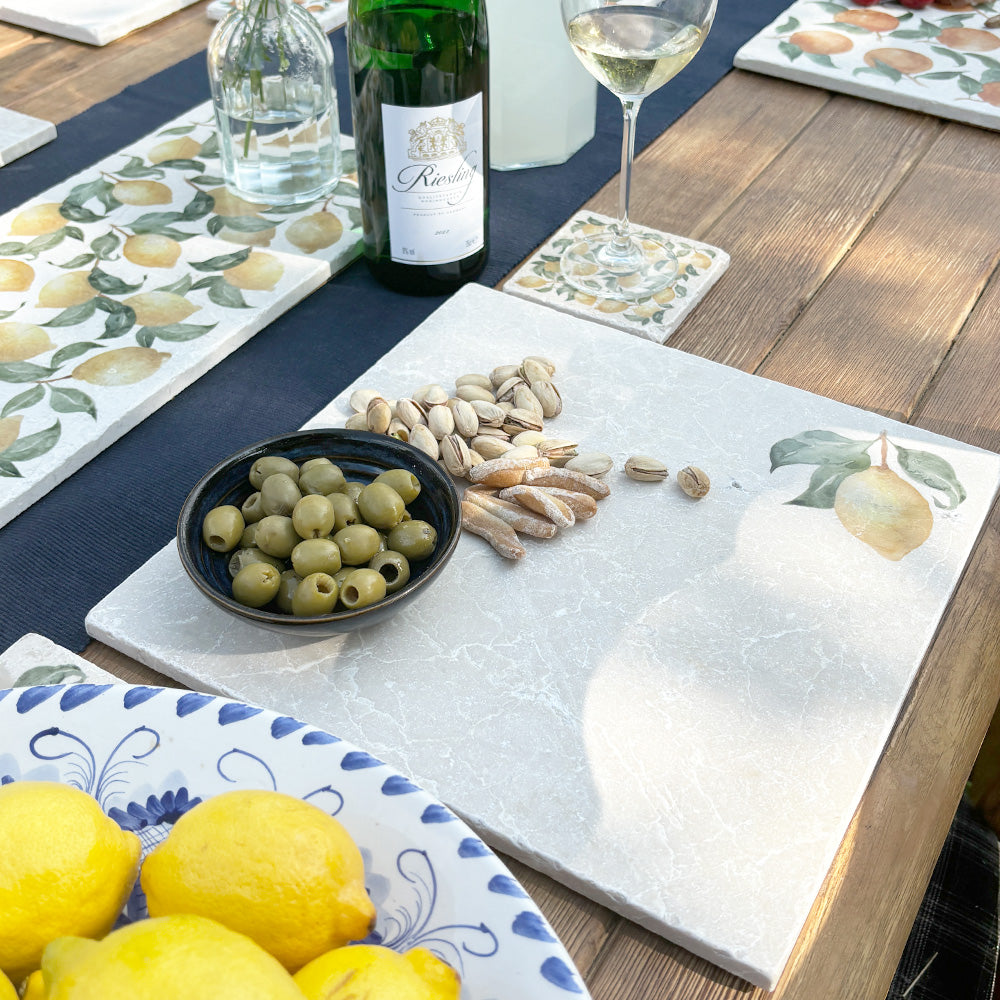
{"points": [[148, 755]]}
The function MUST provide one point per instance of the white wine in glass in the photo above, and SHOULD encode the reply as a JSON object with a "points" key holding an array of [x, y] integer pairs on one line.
{"points": [[632, 48]]}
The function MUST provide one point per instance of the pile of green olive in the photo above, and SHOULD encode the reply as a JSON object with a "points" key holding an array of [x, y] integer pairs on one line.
{"points": [[309, 542]]}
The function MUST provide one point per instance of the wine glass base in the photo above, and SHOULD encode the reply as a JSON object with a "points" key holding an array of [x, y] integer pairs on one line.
{"points": [[598, 266]]}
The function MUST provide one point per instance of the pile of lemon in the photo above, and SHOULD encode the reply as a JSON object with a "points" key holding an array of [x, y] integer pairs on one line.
{"points": [[253, 895]]}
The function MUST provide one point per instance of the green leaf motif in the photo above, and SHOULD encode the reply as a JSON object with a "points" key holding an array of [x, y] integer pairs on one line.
{"points": [[956, 57], [968, 85], [65, 400], [108, 284], [77, 262], [77, 213], [7, 313], [64, 673], [886, 70], [210, 147], [74, 315], [943, 75], [789, 51], [23, 400], [181, 287], [119, 321], [223, 262], [23, 371], [101, 189], [175, 332], [33, 445], [136, 167], [182, 165], [41, 243], [106, 245], [208, 179], [242, 223], [990, 76], [198, 207], [12, 249], [8, 470], [987, 61], [71, 351], [955, 21], [151, 222], [223, 294], [819, 448], [933, 472], [824, 481]]}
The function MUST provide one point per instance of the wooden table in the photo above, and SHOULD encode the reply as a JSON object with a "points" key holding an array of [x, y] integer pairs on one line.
{"points": [[865, 243]]}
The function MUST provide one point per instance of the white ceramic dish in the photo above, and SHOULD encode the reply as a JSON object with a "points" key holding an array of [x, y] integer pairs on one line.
{"points": [[149, 754]]}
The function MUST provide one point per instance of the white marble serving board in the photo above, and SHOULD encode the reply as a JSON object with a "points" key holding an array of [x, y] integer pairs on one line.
{"points": [[330, 13], [164, 186], [941, 62], [655, 318], [95, 22], [674, 707], [20, 134], [33, 659]]}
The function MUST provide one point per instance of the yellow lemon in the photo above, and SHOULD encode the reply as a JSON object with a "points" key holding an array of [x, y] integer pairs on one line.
{"points": [[15, 276], [160, 308], [66, 869], [227, 203], [10, 427], [142, 193], [259, 272], [371, 970], [20, 341], [184, 148], [71, 289], [122, 366], [258, 238], [34, 987], [268, 865], [7, 991], [315, 232], [170, 958], [151, 250], [38, 220]]}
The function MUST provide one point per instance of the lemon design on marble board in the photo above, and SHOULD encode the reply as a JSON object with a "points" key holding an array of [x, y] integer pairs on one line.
{"points": [[875, 503]]}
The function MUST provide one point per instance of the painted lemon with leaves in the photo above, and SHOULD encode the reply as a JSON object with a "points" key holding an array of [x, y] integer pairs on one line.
{"points": [[67, 869], [170, 958], [20, 341], [15, 276], [160, 308], [229, 204], [151, 250], [259, 272], [142, 193], [122, 366], [371, 970], [268, 865], [70, 289], [183, 148], [315, 232], [38, 220]]}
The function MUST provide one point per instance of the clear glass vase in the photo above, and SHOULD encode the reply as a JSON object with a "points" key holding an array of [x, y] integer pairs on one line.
{"points": [[271, 71]]}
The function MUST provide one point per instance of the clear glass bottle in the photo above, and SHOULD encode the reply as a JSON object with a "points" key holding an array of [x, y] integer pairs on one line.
{"points": [[271, 71]]}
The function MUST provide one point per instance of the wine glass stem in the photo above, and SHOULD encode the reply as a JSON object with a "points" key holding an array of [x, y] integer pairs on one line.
{"points": [[630, 111]]}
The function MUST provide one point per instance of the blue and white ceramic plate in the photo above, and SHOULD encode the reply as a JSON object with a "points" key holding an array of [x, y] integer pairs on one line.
{"points": [[149, 754]]}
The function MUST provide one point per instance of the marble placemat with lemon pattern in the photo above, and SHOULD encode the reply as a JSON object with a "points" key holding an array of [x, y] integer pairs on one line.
{"points": [[95, 22], [20, 134], [330, 13], [33, 659], [125, 283], [942, 62], [699, 267]]}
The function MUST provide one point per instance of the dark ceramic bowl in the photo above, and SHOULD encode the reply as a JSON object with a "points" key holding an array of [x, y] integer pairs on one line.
{"points": [[361, 456]]}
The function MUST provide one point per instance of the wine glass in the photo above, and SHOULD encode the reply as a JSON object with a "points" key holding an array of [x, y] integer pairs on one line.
{"points": [[632, 47]]}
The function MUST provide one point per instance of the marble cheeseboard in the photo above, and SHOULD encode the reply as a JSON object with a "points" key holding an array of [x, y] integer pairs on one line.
{"points": [[674, 707]]}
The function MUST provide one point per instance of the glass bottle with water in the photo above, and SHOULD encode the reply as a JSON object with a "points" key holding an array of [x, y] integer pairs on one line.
{"points": [[271, 70]]}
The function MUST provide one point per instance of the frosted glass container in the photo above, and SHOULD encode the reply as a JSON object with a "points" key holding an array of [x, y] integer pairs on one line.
{"points": [[543, 103]]}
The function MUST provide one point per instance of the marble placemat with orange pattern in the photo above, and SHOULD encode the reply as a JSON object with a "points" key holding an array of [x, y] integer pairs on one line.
{"points": [[655, 318], [944, 62]]}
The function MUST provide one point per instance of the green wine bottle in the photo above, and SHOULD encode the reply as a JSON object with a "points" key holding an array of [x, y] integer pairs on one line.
{"points": [[419, 99]]}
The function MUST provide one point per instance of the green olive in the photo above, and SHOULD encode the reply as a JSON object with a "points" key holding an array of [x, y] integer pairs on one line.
{"points": [[244, 557], [342, 574], [279, 494], [415, 539], [323, 479], [251, 510], [381, 506], [361, 588], [256, 585], [249, 536], [358, 543], [277, 536], [404, 482], [311, 463], [315, 595], [222, 528], [268, 465], [394, 567], [316, 555], [289, 581], [313, 516], [345, 510], [353, 489]]}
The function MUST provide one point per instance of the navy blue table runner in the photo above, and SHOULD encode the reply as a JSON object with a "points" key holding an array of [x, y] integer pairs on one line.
{"points": [[72, 547]]}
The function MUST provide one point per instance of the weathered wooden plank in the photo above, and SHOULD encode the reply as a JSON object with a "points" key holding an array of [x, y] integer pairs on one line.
{"points": [[878, 329], [789, 229]]}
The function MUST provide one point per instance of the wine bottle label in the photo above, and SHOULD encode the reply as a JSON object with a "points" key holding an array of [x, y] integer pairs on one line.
{"points": [[434, 180]]}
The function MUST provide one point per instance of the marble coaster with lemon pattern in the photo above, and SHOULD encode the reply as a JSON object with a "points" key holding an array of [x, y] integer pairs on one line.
{"points": [[33, 659], [655, 318], [20, 134], [330, 13]]}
